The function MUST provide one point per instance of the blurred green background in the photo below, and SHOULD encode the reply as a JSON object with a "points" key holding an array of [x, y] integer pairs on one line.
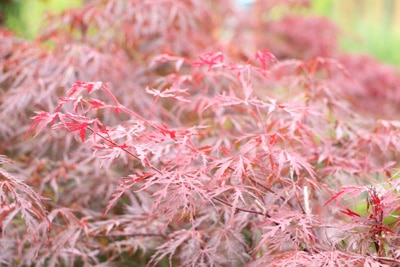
{"points": [[371, 26], [24, 16]]}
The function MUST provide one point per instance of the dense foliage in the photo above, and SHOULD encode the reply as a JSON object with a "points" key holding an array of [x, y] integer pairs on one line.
{"points": [[187, 133]]}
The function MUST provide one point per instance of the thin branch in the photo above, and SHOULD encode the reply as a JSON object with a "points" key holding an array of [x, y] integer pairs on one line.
{"points": [[130, 235], [244, 210], [123, 149]]}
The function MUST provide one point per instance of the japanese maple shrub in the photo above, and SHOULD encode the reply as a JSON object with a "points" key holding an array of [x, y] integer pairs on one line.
{"points": [[166, 146]]}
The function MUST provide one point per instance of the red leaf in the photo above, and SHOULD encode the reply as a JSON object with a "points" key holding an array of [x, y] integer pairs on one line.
{"points": [[40, 121], [353, 190], [210, 60], [96, 103], [264, 56], [350, 213], [78, 87]]}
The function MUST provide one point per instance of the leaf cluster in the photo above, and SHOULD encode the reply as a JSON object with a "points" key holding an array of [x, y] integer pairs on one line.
{"points": [[142, 131]]}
